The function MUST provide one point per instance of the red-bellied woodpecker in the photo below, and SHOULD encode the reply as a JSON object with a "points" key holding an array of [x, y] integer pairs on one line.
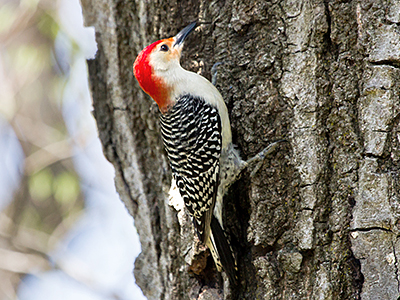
{"points": [[197, 137]]}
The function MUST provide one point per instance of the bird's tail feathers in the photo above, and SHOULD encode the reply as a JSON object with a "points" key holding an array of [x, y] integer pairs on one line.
{"points": [[221, 251]]}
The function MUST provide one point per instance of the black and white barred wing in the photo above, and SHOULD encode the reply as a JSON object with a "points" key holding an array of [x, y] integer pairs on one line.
{"points": [[191, 132]]}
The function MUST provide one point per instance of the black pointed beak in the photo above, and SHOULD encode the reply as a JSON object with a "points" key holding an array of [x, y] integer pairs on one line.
{"points": [[182, 35]]}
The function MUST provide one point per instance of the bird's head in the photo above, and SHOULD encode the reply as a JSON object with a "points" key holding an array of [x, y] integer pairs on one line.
{"points": [[155, 65]]}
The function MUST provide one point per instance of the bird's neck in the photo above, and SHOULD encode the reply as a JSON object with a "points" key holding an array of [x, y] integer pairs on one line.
{"points": [[167, 86], [155, 86], [161, 94]]}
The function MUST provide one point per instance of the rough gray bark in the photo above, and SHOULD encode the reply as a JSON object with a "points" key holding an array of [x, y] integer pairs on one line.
{"points": [[320, 218]]}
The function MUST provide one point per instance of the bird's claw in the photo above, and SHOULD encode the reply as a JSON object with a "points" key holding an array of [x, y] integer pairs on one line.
{"points": [[259, 158], [214, 72]]}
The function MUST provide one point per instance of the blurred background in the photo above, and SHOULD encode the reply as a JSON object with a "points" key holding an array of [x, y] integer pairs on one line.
{"points": [[64, 234]]}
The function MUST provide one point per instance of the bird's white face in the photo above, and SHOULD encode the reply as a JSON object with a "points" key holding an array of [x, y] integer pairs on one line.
{"points": [[158, 71], [165, 56]]}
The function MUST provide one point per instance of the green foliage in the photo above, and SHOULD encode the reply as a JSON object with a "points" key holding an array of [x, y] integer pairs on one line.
{"points": [[48, 26], [7, 16], [30, 59], [40, 185], [66, 188]]}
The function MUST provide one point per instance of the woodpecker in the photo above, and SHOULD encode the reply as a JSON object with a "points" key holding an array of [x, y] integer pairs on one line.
{"points": [[196, 133]]}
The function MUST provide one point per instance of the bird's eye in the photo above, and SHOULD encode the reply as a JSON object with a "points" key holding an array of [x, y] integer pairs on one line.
{"points": [[164, 48]]}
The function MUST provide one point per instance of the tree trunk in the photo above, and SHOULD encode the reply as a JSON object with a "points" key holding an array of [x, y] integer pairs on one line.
{"points": [[319, 220]]}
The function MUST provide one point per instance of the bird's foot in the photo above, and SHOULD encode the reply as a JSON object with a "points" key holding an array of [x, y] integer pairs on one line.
{"points": [[214, 72], [258, 159]]}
